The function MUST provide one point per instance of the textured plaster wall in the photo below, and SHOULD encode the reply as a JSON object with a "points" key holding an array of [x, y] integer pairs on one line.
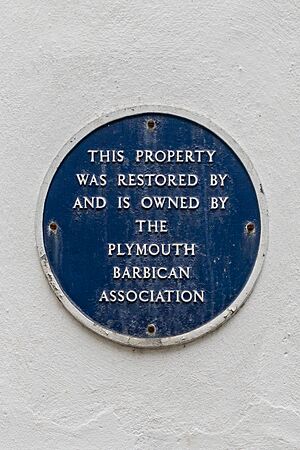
{"points": [[63, 63]]}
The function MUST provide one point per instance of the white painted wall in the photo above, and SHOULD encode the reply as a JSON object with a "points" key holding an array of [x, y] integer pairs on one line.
{"points": [[65, 62]]}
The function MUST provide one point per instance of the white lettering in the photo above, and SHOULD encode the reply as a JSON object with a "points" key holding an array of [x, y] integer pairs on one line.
{"points": [[216, 202]]}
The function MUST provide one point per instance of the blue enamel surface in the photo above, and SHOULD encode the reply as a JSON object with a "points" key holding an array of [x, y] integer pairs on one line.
{"points": [[77, 252]]}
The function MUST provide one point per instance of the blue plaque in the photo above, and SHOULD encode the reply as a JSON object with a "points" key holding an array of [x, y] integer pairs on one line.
{"points": [[152, 226]]}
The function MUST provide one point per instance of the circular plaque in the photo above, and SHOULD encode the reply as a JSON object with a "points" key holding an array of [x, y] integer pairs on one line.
{"points": [[151, 226]]}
